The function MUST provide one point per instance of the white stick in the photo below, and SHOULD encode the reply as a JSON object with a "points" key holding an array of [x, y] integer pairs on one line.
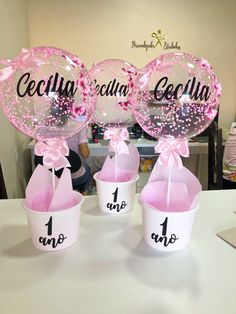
{"points": [[53, 179], [168, 187], [116, 164]]}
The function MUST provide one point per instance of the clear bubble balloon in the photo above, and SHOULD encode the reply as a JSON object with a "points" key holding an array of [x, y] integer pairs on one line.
{"points": [[46, 93], [176, 96], [113, 81]]}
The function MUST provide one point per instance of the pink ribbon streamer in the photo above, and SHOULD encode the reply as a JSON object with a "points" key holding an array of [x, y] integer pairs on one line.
{"points": [[25, 59], [131, 72], [85, 91], [170, 152], [117, 139], [74, 62], [218, 88], [53, 152], [206, 64], [211, 112]]}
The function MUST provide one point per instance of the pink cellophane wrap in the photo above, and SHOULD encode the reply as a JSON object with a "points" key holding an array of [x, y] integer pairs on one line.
{"points": [[127, 166], [184, 189], [41, 196]]}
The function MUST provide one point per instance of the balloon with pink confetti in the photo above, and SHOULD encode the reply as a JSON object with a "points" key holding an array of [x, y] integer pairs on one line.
{"points": [[46, 93], [114, 81], [177, 96]]}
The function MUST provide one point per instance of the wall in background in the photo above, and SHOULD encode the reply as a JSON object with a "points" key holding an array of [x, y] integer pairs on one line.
{"points": [[14, 159], [97, 30]]}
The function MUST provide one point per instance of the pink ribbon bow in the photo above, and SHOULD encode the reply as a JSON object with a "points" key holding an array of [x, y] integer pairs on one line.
{"points": [[156, 65], [53, 152], [170, 152], [25, 59], [78, 111], [117, 139]]}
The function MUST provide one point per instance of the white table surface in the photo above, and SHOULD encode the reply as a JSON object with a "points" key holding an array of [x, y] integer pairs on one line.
{"points": [[111, 270]]}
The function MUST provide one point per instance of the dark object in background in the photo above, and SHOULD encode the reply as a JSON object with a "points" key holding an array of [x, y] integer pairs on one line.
{"points": [[73, 158], [95, 130], [149, 137], [228, 185], [215, 158], [135, 132], [203, 137], [3, 190]]}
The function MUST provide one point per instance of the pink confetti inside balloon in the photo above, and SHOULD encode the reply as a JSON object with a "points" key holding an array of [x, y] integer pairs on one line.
{"points": [[177, 96], [46, 93], [114, 83]]}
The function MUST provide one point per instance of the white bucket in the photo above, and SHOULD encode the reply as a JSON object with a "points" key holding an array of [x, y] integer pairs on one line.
{"points": [[57, 230], [115, 197], [167, 231]]}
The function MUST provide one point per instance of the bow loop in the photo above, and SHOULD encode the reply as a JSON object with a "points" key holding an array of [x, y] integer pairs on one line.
{"points": [[24, 60], [117, 139], [170, 152], [53, 152]]}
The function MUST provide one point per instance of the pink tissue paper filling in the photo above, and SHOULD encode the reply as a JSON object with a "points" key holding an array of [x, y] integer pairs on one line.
{"points": [[122, 167], [41, 196], [184, 189]]}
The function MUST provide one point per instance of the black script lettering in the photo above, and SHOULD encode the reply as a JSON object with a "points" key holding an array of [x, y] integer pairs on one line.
{"points": [[163, 238], [103, 90], [169, 91], [70, 88], [25, 86], [27, 76], [195, 95], [30, 88], [117, 207], [204, 93], [52, 241], [186, 87], [47, 89], [37, 90], [113, 88], [192, 88], [176, 91], [55, 83], [157, 88], [123, 90], [115, 193], [60, 90], [49, 225]]}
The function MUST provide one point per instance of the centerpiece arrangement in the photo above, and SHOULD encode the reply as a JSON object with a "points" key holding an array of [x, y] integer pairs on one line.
{"points": [[47, 94], [177, 97], [116, 182]]}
